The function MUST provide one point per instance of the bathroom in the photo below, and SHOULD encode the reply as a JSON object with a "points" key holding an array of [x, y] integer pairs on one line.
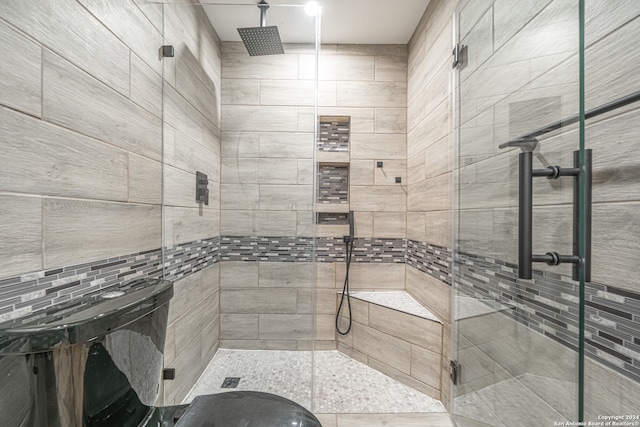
{"points": [[111, 108]]}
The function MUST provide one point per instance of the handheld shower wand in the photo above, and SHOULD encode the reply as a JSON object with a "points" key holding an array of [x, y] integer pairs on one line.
{"points": [[348, 240]]}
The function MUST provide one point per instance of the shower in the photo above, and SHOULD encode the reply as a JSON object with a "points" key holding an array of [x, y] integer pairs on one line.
{"points": [[262, 40]]}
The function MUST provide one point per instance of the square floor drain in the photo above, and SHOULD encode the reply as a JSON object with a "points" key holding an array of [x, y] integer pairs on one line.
{"points": [[230, 382]]}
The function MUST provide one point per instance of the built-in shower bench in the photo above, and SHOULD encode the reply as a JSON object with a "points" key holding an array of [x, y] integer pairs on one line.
{"points": [[398, 336]]}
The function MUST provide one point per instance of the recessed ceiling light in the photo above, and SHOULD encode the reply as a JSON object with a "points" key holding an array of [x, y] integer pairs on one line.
{"points": [[312, 8]]}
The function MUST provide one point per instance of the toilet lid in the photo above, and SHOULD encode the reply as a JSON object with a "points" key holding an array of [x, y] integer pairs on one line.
{"points": [[246, 409]]}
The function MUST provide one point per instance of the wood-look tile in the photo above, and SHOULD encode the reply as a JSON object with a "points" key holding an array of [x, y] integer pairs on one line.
{"points": [[239, 196], [278, 171], [59, 162], [372, 49], [286, 326], [372, 94], [295, 275], [238, 274], [361, 172], [391, 169], [378, 198], [240, 144], [394, 420], [239, 326], [91, 45], [258, 222], [194, 90], [425, 366], [264, 119], [378, 146], [146, 86], [178, 187], [391, 120], [286, 197], [391, 68], [239, 171], [20, 72], [74, 236], [190, 224], [416, 226], [192, 156], [145, 180], [422, 332], [257, 301], [389, 224], [242, 66], [194, 322], [21, 234], [395, 352], [286, 145], [75, 100], [338, 67], [434, 194], [286, 92], [124, 19], [240, 92], [431, 292]]}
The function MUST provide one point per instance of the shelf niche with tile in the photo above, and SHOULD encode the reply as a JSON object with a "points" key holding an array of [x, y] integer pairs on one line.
{"points": [[332, 203]]}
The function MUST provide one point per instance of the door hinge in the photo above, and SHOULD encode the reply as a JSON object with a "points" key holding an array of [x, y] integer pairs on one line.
{"points": [[168, 374], [455, 372], [459, 52]]}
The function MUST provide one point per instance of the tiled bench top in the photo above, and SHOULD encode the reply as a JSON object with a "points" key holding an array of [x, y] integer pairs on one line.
{"points": [[467, 307], [396, 300]]}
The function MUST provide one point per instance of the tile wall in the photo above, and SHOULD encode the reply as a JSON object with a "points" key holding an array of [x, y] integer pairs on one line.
{"points": [[510, 66], [88, 140], [269, 151], [430, 168]]}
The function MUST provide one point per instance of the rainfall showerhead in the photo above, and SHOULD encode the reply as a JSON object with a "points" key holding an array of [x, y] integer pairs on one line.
{"points": [[262, 40]]}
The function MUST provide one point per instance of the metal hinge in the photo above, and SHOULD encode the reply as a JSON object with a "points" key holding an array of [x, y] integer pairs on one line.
{"points": [[459, 52], [455, 372], [168, 374]]}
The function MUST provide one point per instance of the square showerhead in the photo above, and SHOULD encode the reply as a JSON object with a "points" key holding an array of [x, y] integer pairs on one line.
{"points": [[262, 40]]}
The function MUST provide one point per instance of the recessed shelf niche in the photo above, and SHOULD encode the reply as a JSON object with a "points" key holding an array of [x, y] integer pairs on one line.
{"points": [[333, 184], [333, 133]]}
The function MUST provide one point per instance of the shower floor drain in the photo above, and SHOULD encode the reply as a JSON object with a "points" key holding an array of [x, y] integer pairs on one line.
{"points": [[230, 382]]}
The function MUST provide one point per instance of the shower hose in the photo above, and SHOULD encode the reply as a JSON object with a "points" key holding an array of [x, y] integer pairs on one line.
{"points": [[345, 288]]}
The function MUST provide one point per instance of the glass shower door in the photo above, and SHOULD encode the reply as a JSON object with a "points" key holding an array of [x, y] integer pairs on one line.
{"points": [[517, 328]]}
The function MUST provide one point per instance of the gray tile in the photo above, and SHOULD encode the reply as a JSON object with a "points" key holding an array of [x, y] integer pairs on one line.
{"points": [[20, 82], [76, 100]]}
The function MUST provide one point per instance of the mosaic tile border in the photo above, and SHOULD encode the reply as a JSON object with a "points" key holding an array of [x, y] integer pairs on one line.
{"points": [[37, 290], [365, 249], [263, 248], [300, 249], [431, 259], [546, 304]]}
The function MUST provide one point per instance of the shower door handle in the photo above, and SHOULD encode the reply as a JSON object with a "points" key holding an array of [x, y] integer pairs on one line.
{"points": [[525, 214]]}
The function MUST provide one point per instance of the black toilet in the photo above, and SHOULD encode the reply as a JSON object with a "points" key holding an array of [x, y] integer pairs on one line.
{"points": [[97, 362]]}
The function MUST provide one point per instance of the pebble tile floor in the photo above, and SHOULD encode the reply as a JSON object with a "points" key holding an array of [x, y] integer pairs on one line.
{"points": [[342, 385]]}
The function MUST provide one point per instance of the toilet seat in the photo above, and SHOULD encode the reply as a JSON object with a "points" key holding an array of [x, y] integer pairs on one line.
{"points": [[246, 409]]}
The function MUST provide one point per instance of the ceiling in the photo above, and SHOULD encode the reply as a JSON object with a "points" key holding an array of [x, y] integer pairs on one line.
{"points": [[343, 21]]}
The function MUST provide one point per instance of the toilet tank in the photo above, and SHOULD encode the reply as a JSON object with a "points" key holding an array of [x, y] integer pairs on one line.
{"points": [[93, 362]]}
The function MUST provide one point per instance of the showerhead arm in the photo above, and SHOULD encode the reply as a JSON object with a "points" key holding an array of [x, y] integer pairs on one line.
{"points": [[262, 40], [263, 13]]}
